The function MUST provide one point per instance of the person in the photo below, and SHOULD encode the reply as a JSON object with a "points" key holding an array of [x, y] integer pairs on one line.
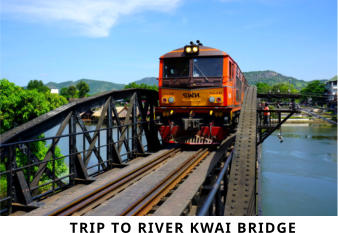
{"points": [[261, 106], [266, 114], [278, 104]]}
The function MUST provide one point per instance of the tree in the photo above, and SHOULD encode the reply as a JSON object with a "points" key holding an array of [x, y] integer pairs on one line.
{"points": [[284, 88], [64, 92], [72, 91], [83, 88], [142, 85], [314, 89], [19, 105], [263, 87], [37, 85]]}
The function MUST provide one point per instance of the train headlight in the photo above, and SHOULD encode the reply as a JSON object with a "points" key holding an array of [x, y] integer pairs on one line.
{"points": [[219, 99], [171, 100], [191, 49], [212, 99], [164, 100]]}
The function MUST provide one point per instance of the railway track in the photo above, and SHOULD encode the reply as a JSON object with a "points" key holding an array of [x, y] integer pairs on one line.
{"points": [[92, 199], [146, 203]]}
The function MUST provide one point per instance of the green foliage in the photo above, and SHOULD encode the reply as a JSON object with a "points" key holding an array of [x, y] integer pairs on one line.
{"points": [[69, 92], [263, 88], [19, 105], [313, 89], [64, 92], [37, 85], [284, 88], [3, 181], [79, 91], [39, 150], [83, 88], [142, 85], [72, 91]]}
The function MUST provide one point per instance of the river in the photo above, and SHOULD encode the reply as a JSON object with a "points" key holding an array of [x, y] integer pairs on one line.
{"points": [[299, 176]]}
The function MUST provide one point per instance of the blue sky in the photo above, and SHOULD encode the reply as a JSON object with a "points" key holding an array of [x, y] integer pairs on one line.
{"points": [[121, 41]]}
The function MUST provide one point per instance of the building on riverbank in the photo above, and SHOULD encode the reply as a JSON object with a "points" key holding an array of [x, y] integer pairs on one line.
{"points": [[331, 87]]}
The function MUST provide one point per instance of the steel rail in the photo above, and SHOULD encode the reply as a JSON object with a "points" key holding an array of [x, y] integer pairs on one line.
{"points": [[95, 195], [144, 204]]}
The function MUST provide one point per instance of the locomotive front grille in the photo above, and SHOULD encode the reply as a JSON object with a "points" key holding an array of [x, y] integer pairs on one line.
{"points": [[191, 123]]}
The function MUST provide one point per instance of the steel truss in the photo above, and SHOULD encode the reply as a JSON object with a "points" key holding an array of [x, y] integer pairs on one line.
{"points": [[24, 184]]}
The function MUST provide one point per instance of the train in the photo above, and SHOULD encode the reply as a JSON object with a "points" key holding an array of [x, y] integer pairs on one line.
{"points": [[201, 90]]}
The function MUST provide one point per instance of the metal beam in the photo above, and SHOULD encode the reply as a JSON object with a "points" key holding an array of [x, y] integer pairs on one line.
{"points": [[89, 139], [43, 165], [119, 124], [98, 126], [127, 121]]}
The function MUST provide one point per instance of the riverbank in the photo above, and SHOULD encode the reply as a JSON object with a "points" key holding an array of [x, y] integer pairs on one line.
{"points": [[306, 118]]}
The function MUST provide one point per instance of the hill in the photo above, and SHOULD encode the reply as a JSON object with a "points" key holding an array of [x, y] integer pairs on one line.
{"points": [[95, 86], [271, 78], [148, 80]]}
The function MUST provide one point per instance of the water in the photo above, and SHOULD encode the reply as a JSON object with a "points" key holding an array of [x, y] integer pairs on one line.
{"points": [[299, 176]]}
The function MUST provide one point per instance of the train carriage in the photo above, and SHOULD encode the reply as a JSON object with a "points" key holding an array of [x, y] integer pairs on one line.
{"points": [[200, 95]]}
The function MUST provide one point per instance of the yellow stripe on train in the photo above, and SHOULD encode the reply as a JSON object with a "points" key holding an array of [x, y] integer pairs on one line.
{"points": [[198, 97]]}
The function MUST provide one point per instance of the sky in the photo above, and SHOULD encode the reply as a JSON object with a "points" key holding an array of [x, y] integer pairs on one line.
{"points": [[121, 40]]}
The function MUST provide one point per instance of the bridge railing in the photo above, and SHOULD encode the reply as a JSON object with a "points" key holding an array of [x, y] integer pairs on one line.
{"points": [[281, 108], [34, 164]]}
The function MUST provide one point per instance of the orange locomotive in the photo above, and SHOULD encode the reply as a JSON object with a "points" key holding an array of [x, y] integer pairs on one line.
{"points": [[200, 95]]}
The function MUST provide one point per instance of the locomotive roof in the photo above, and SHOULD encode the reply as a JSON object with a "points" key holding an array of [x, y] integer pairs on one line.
{"points": [[203, 51]]}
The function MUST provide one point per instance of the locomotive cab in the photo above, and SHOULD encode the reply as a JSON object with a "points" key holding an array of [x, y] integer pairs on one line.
{"points": [[197, 94], [193, 72]]}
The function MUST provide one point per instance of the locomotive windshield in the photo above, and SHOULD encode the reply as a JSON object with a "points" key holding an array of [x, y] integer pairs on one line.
{"points": [[176, 68], [207, 67], [202, 67]]}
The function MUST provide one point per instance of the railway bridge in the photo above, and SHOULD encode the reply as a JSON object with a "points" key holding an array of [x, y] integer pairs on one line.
{"points": [[57, 164]]}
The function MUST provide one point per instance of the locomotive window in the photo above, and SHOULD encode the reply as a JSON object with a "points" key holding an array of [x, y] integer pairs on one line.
{"points": [[208, 67], [176, 68]]}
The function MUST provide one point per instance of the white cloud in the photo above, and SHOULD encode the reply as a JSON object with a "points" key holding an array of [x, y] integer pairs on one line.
{"points": [[91, 17]]}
